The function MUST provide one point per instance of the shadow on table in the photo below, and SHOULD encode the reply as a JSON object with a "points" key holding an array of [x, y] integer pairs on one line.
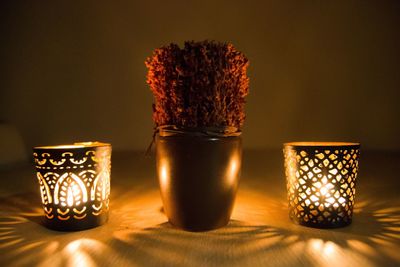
{"points": [[372, 239]]}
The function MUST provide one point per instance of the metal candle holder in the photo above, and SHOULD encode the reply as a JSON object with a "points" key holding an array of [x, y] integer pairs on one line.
{"points": [[74, 184], [321, 180]]}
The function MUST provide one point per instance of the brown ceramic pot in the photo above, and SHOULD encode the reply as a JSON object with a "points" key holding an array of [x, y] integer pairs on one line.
{"points": [[198, 177]]}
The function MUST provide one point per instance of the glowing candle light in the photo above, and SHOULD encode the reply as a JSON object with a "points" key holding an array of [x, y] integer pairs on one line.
{"points": [[70, 197], [74, 184], [321, 182]]}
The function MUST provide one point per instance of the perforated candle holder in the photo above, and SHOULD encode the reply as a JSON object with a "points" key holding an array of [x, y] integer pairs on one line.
{"points": [[321, 180], [74, 184]]}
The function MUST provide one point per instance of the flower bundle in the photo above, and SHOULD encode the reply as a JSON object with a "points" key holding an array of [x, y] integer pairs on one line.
{"points": [[203, 84]]}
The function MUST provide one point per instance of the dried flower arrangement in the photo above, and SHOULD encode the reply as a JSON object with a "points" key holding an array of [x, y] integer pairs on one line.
{"points": [[202, 84]]}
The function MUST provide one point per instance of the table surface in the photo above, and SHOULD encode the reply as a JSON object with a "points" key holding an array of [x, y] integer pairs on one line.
{"points": [[259, 234]]}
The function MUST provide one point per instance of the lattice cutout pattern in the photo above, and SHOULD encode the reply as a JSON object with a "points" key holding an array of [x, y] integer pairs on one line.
{"points": [[74, 185], [321, 184]]}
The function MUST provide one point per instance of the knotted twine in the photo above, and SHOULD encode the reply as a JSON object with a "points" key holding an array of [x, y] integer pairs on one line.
{"points": [[173, 130]]}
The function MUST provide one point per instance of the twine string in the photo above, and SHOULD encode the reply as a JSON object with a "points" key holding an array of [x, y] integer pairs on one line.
{"points": [[173, 130]]}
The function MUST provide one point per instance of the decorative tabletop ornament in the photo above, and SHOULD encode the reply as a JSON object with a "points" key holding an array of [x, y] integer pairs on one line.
{"points": [[321, 180], [74, 184], [198, 111]]}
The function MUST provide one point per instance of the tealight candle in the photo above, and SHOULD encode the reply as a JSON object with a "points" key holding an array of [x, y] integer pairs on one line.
{"points": [[321, 179], [74, 184]]}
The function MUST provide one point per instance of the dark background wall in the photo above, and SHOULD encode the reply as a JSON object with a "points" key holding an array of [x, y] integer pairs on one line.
{"points": [[320, 70]]}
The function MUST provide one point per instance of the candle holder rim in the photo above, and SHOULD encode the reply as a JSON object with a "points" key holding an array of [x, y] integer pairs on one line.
{"points": [[76, 145], [321, 144]]}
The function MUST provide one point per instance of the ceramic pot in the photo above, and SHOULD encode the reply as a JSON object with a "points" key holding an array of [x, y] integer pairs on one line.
{"points": [[198, 177]]}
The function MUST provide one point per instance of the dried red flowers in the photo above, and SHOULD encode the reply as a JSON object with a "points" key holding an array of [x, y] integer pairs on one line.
{"points": [[201, 85]]}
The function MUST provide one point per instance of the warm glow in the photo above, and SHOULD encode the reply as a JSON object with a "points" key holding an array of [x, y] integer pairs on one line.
{"points": [[73, 192], [103, 191], [70, 189], [163, 172], [321, 181], [324, 250], [78, 252], [70, 197], [74, 184], [311, 144], [233, 169], [323, 191], [74, 145]]}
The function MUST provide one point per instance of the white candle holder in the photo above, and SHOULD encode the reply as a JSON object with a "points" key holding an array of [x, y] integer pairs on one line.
{"points": [[321, 180]]}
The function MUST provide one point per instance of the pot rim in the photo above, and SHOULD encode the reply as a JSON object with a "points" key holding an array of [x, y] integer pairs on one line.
{"points": [[205, 131]]}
